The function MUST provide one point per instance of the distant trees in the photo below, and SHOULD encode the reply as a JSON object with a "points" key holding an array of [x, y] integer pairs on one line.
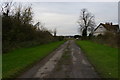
{"points": [[86, 22], [18, 29]]}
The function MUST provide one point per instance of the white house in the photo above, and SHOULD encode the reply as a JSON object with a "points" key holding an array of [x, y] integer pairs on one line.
{"points": [[102, 28]]}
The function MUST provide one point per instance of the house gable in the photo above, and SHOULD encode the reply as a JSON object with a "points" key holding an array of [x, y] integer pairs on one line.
{"points": [[102, 28], [99, 30]]}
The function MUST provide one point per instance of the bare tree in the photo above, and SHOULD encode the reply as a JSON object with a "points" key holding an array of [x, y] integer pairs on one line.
{"points": [[6, 8], [86, 20]]}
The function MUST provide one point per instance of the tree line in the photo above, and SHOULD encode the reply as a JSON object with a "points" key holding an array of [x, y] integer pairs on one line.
{"points": [[18, 29]]}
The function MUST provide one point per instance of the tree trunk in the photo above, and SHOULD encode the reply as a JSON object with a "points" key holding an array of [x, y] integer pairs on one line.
{"points": [[84, 33]]}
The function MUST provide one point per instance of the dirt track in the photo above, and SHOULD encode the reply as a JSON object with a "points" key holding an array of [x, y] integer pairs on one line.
{"points": [[68, 61]]}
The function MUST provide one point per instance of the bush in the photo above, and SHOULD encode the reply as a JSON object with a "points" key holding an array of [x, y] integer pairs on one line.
{"points": [[108, 38], [19, 31]]}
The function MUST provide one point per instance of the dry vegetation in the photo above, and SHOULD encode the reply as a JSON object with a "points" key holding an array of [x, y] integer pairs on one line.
{"points": [[108, 38]]}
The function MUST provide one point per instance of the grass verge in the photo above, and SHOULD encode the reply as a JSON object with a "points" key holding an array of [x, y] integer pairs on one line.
{"points": [[16, 61], [103, 58]]}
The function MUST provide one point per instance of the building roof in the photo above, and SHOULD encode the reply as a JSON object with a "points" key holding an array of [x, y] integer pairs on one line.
{"points": [[109, 27]]}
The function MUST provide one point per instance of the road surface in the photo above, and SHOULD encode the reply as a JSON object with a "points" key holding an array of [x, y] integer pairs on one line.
{"points": [[68, 61]]}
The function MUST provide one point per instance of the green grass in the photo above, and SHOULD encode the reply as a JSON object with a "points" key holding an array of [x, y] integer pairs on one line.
{"points": [[104, 58], [17, 61]]}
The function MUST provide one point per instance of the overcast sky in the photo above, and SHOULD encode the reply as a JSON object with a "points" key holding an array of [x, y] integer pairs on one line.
{"points": [[64, 15]]}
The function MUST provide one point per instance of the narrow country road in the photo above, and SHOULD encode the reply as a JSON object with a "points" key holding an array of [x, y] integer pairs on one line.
{"points": [[68, 61]]}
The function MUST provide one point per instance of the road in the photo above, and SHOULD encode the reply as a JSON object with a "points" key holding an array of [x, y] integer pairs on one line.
{"points": [[68, 61]]}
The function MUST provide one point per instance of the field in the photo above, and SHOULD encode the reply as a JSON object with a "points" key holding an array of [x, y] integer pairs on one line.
{"points": [[103, 58], [16, 61]]}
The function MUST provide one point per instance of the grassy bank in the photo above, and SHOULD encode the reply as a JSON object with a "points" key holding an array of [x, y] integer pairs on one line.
{"points": [[16, 61], [104, 58]]}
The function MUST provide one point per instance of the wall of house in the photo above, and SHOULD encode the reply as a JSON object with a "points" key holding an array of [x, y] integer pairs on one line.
{"points": [[100, 30]]}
